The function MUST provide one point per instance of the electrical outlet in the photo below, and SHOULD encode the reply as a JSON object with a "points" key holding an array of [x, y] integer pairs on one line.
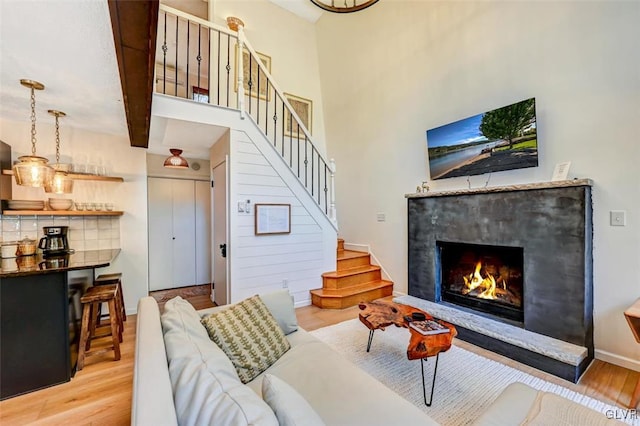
{"points": [[285, 283], [241, 206], [618, 217]]}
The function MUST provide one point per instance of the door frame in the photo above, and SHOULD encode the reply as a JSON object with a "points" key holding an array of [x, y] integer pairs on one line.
{"points": [[214, 250]]}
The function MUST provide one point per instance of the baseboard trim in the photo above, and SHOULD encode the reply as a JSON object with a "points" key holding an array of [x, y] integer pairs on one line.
{"points": [[620, 360]]}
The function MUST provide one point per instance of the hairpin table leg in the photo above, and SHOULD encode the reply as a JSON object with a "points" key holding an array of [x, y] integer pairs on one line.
{"points": [[370, 339], [433, 383]]}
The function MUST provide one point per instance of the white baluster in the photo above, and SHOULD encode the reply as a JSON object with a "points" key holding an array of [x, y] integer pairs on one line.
{"points": [[332, 204], [241, 71]]}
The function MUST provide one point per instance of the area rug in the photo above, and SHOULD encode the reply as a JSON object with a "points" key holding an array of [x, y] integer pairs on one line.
{"points": [[466, 383]]}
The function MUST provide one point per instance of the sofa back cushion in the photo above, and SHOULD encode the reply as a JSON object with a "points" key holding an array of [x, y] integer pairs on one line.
{"points": [[250, 336], [205, 384], [280, 304]]}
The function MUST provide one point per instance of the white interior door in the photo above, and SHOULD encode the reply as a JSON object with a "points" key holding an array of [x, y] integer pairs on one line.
{"points": [[184, 232], [160, 216], [220, 248]]}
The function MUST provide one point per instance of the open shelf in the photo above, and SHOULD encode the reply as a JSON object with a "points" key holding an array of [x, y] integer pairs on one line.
{"points": [[60, 213], [82, 176]]}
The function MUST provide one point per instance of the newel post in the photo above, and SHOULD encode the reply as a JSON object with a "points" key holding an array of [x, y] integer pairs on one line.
{"points": [[332, 201], [236, 24]]}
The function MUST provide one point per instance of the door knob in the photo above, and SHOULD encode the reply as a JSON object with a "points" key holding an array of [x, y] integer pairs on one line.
{"points": [[223, 250]]}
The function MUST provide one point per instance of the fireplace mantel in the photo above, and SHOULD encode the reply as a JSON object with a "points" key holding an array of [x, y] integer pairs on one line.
{"points": [[506, 188], [551, 222]]}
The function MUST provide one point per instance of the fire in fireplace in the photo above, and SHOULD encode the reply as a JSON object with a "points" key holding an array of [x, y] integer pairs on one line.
{"points": [[482, 277]]}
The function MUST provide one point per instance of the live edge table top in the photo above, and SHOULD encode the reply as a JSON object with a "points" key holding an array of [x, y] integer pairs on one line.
{"points": [[379, 315]]}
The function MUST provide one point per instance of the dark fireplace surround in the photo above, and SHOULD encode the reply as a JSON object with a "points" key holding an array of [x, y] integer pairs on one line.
{"points": [[552, 223]]}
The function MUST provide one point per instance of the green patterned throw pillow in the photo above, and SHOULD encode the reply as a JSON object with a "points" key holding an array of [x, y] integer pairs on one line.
{"points": [[250, 336]]}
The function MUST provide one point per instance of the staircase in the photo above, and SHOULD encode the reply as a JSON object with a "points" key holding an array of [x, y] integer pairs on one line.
{"points": [[355, 281]]}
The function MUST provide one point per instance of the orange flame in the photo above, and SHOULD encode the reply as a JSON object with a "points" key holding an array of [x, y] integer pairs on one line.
{"points": [[475, 280]]}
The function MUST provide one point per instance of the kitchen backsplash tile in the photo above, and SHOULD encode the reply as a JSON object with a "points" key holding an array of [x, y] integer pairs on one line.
{"points": [[85, 232]]}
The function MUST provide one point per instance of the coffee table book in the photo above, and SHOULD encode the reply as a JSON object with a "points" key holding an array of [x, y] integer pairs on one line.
{"points": [[428, 327]]}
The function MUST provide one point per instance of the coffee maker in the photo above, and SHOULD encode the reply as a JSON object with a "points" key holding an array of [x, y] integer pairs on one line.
{"points": [[54, 242]]}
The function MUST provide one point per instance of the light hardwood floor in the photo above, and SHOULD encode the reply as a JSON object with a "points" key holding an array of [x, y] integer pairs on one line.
{"points": [[100, 394]]}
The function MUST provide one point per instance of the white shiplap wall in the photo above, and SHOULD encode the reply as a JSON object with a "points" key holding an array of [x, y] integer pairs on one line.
{"points": [[268, 262]]}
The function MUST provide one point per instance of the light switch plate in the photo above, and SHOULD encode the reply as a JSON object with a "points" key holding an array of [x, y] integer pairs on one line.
{"points": [[618, 217]]}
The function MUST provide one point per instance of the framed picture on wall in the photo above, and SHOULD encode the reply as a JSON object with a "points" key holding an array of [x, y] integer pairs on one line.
{"points": [[304, 108], [250, 74], [272, 219], [200, 95]]}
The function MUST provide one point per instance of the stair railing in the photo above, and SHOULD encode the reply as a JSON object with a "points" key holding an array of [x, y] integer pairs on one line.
{"points": [[193, 61]]}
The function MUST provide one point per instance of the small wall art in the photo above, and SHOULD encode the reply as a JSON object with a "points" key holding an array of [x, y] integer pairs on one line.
{"points": [[304, 108], [272, 219], [250, 74]]}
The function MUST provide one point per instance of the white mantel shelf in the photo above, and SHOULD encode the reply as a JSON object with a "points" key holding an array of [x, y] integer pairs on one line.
{"points": [[508, 188]]}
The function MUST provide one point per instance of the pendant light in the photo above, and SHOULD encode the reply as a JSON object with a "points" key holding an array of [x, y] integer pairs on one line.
{"points": [[32, 170], [60, 183], [175, 161]]}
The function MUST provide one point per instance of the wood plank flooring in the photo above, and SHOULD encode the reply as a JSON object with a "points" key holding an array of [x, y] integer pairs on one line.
{"points": [[100, 394]]}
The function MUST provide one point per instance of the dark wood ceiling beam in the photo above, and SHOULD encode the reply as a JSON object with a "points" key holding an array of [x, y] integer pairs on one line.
{"points": [[134, 24]]}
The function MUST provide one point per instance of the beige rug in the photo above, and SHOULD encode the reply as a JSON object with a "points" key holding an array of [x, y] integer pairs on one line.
{"points": [[466, 383]]}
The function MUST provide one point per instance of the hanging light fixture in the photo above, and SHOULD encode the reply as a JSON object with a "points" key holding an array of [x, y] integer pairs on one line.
{"points": [[175, 161], [32, 170], [60, 183]]}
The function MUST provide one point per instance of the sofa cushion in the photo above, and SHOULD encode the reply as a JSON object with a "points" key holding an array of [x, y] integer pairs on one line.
{"points": [[290, 407], [205, 384], [280, 304], [249, 335]]}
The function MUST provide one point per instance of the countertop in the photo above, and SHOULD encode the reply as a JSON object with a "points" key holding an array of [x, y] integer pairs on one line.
{"points": [[37, 264]]}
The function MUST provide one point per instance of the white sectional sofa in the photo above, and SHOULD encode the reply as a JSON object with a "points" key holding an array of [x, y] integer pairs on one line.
{"points": [[339, 392], [182, 377]]}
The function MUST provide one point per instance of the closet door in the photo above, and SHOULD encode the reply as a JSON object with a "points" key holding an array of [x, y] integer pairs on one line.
{"points": [[160, 216], [184, 232]]}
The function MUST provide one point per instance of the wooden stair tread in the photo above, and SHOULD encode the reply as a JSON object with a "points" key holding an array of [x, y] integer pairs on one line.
{"points": [[351, 271], [351, 254], [350, 291]]}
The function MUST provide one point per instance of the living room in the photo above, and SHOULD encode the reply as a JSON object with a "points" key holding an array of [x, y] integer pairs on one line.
{"points": [[407, 67]]}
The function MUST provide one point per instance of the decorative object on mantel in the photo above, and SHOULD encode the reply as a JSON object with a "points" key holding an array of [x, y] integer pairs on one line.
{"points": [[175, 161], [343, 6], [561, 171], [423, 188], [32, 170], [60, 183]]}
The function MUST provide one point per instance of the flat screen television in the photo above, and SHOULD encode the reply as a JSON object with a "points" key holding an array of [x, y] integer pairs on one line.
{"points": [[494, 141]]}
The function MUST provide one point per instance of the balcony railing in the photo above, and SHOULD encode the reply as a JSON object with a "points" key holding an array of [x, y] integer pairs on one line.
{"points": [[201, 61]]}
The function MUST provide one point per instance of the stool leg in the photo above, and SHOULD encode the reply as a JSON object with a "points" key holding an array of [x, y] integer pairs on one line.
{"points": [[124, 311], [118, 314], [93, 311], [84, 330], [113, 319]]}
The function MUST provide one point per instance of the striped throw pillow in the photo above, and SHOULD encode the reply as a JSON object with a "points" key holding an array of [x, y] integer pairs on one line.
{"points": [[249, 335]]}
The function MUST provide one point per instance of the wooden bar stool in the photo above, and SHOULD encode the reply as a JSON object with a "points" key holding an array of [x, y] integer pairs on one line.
{"points": [[115, 278], [91, 302]]}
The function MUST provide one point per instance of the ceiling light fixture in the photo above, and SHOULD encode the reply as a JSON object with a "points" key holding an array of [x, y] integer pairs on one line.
{"points": [[60, 183], [175, 161], [32, 170], [343, 6]]}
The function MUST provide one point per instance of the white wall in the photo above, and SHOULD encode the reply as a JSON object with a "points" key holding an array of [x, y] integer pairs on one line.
{"points": [[120, 159], [398, 68]]}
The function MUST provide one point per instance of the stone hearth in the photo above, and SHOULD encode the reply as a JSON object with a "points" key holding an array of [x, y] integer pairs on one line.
{"points": [[552, 223]]}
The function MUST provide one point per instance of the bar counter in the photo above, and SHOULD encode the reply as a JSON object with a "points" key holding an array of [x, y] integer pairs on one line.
{"points": [[38, 342], [38, 265]]}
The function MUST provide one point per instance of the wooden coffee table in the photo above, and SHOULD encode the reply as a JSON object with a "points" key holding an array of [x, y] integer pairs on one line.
{"points": [[379, 315]]}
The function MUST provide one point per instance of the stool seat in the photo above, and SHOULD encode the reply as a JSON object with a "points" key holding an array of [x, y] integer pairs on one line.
{"points": [[114, 278], [91, 302]]}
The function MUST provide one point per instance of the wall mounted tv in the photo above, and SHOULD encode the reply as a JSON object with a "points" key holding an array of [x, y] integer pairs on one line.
{"points": [[494, 141]]}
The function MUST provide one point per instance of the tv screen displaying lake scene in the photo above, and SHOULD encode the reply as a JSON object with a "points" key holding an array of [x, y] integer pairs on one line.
{"points": [[494, 141]]}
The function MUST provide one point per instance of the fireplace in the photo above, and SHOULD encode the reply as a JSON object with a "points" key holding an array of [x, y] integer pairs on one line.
{"points": [[535, 241], [484, 278]]}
